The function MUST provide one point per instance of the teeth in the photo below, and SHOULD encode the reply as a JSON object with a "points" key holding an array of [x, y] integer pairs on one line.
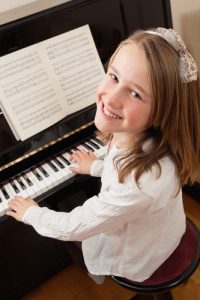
{"points": [[108, 113]]}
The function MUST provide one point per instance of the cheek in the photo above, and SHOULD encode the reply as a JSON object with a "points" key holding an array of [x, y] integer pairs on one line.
{"points": [[139, 116], [101, 89]]}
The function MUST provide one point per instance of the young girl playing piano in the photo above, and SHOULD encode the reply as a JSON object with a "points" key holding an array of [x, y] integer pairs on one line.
{"points": [[148, 110]]}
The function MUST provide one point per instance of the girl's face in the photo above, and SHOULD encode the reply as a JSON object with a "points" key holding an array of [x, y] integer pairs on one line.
{"points": [[124, 96]]}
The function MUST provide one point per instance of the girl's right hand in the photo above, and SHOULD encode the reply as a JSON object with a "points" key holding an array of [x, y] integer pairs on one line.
{"points": [[18, 205], [84, 159]]}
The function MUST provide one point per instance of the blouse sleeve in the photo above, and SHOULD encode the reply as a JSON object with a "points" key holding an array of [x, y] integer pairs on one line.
{"points": [[102, 213], [96, 168]]}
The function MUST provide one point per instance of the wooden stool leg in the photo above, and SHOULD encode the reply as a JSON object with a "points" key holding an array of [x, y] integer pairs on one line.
{"points": [[163, 296]]}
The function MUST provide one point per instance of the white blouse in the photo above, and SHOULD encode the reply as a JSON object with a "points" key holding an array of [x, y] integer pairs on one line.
{"points": [[126, 230]]}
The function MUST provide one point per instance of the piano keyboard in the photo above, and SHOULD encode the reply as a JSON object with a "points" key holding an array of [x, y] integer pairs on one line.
{"points": [[46, 175]]}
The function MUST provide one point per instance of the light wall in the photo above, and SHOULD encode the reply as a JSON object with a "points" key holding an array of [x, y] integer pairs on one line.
{"points": [[11, 10], [186, 21]]}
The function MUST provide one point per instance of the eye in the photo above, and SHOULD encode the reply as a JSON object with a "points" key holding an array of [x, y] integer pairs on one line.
{"points": [[114, 77], [135, 94]]}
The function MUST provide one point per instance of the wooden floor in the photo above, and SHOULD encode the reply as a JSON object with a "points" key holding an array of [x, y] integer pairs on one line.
{"points": [[74, 284]]}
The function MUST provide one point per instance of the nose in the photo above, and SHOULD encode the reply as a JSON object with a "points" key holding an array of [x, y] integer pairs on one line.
{"points": [[113, 97]]}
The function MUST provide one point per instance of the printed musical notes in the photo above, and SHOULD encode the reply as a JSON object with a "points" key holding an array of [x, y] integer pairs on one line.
{"points": [[43, 83]]}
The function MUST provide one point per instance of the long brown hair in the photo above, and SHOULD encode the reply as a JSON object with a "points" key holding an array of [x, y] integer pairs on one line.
{"points": [[175, 116]]}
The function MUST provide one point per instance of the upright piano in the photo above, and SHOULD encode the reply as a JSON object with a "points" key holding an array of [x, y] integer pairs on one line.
{"points": [[28, 259]]}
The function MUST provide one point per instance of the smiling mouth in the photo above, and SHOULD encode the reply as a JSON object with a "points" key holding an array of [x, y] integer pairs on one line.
{"points": [[110, 114]]}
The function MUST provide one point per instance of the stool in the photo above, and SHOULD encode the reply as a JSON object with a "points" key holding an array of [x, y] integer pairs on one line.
{"points": [[173, 272]]}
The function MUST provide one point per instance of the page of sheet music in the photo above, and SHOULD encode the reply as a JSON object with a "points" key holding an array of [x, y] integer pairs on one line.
{"points": [[27, 92], [76, 67], [41, 84]]}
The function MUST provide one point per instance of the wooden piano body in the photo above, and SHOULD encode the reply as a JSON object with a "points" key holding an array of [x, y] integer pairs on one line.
{"points": [[28, 259]]}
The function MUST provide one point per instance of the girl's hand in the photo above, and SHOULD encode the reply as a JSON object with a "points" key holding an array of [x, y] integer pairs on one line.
{"points": [[84, 159], [18, 206]]}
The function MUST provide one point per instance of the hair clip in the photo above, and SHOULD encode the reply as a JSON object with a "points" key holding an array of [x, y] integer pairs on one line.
{"points": [[188, 69]]}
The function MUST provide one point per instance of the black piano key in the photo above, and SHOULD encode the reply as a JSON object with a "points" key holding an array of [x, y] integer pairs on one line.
{"points": [[58, 163], [93, 144], [27, 180], [15, 188], [52, 166], [43, 171], [98, 141], [87, 147], [21, 183], [5, 193], [70, 151], [65, 160], [37, 175]]}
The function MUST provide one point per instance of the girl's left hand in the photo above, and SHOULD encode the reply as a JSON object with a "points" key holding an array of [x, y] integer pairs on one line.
{"points": [[84, 159], [18, 205]]}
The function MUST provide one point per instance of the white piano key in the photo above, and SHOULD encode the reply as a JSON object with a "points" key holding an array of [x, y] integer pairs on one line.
{"points": [[93, 144], [97, 141], [88, 146], [9, 189], [4, 200], [67, 173], [63, 172], [4, 203], [30, 184], [21, 191], [41, 185], [2, 210], [30, 192], [52, 175], [98, 152], [47, 183], [59, 172], [73, 164], [66, 161], [35, 185], [9, 193], [82, 148], [101, 151], [39, 181]]}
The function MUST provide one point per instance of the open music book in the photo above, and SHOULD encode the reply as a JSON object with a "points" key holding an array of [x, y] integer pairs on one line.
{"points": [[43, 83]]}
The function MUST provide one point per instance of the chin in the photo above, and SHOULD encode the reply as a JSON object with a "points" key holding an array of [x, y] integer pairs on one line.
{"points": [[100, 125]]}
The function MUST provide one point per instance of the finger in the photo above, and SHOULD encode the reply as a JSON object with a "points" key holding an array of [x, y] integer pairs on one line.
{"points": [[13, 201], [78, 157], [75, 155], [83, 155], [74, 169], [13, 205], [17, 197], [11, 213], [91, 154]]}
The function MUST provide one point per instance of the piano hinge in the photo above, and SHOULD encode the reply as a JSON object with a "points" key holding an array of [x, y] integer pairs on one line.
{"points": [[53, 142]]}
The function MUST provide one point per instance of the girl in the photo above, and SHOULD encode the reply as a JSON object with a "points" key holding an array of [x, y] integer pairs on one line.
{"points": [[148, 110]]}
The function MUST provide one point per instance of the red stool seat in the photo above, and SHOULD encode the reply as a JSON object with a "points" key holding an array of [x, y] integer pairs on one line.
{"points": [[175, 270]]}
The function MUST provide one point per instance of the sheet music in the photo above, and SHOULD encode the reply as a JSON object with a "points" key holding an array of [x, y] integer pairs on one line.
{"points": [[41, 84], [28, 90], [76, 66]]}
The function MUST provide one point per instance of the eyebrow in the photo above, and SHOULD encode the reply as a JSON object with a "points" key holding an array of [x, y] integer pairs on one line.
{"points": [[135, 84]]}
